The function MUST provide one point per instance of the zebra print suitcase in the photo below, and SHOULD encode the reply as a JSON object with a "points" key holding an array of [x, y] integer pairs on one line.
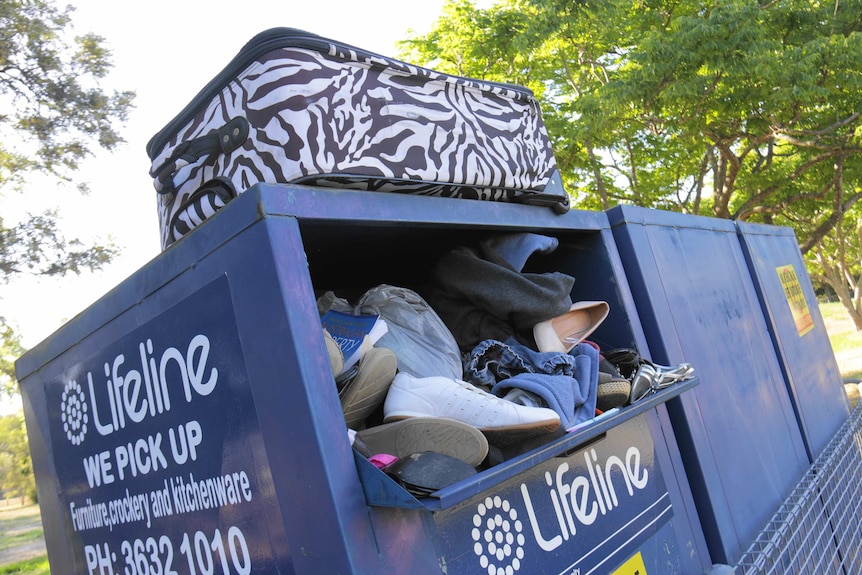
{"points": [[293, 107]]}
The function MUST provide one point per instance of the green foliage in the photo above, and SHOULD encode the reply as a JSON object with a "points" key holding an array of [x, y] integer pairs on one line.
{"points": [[488, 44], [16, 471], [37, 246], [733, 108], [53, 109], [53, 114], [36, 566], [10, 350], [836, 260], [736, 109]]}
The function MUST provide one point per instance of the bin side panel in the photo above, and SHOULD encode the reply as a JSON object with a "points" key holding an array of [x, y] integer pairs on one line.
{"points": [[60, 557], [586, 511], [156, 448], [407, 541], [740, 442], [274, 416], [309, 457], [797, 329], [694, 554]]}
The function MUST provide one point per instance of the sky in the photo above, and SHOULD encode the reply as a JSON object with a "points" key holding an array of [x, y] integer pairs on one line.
{"points": [[166, 51]]}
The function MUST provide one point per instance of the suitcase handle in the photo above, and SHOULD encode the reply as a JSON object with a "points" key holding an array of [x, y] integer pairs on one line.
{"points": [[224, 140], [201, 205]]}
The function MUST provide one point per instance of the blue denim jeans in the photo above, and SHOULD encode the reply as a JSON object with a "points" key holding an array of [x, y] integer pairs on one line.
{"points": [[565, 381]]}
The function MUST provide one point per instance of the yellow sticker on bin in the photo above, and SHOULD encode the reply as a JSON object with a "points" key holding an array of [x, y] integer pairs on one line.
{"points": [[796, 299], [634, 566]]}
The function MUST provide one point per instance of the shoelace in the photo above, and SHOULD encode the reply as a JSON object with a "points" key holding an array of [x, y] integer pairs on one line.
{"points": [[473, 389]]}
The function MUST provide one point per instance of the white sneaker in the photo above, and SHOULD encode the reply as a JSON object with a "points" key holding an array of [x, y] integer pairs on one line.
{"points": [[499, 419]]}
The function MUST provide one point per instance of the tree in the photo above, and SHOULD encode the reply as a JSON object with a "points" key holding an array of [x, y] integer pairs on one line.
{"points": [[10, 350], [53, 113], [735, 109], [836, 261], [16, 470]]}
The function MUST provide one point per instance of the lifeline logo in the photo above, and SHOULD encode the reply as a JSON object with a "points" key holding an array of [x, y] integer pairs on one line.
{"points": [[73, 412], [497, 535], [578, 501], [130, 395]]}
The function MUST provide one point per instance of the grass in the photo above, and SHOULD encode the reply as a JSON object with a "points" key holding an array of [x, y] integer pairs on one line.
{"points": [[846, 341], [17, 528], [35, 566], [8, 539], [11, 524]]}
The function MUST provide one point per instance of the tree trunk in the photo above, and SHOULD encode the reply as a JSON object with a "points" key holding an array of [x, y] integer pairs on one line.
{"points": [[725, 178], [597, 174], [845, 286]]}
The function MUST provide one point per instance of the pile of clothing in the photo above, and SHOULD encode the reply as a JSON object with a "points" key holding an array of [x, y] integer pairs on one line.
{"points": [[492, 360]]}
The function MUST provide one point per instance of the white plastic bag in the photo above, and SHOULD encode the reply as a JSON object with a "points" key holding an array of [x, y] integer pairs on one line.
{"points": [[421, 341]]}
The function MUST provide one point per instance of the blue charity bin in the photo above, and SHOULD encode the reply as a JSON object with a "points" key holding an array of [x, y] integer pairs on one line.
{"points": [[188, 422], [738, 431], [797, 330]]}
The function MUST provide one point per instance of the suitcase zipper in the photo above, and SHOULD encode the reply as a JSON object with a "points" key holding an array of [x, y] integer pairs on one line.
{"points": [[275, 38]]}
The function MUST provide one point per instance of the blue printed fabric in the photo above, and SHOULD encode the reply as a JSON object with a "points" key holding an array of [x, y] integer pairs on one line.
{"points": [[565, 381]]}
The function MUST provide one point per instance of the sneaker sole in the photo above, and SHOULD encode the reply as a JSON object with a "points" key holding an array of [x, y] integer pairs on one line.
{"points": [[405, 437], [512, 435], [368, 389], [498, 436], [612, 394]]}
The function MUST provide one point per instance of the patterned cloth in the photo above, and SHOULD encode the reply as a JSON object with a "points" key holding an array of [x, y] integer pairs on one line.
{"points": [[567, 383]]}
